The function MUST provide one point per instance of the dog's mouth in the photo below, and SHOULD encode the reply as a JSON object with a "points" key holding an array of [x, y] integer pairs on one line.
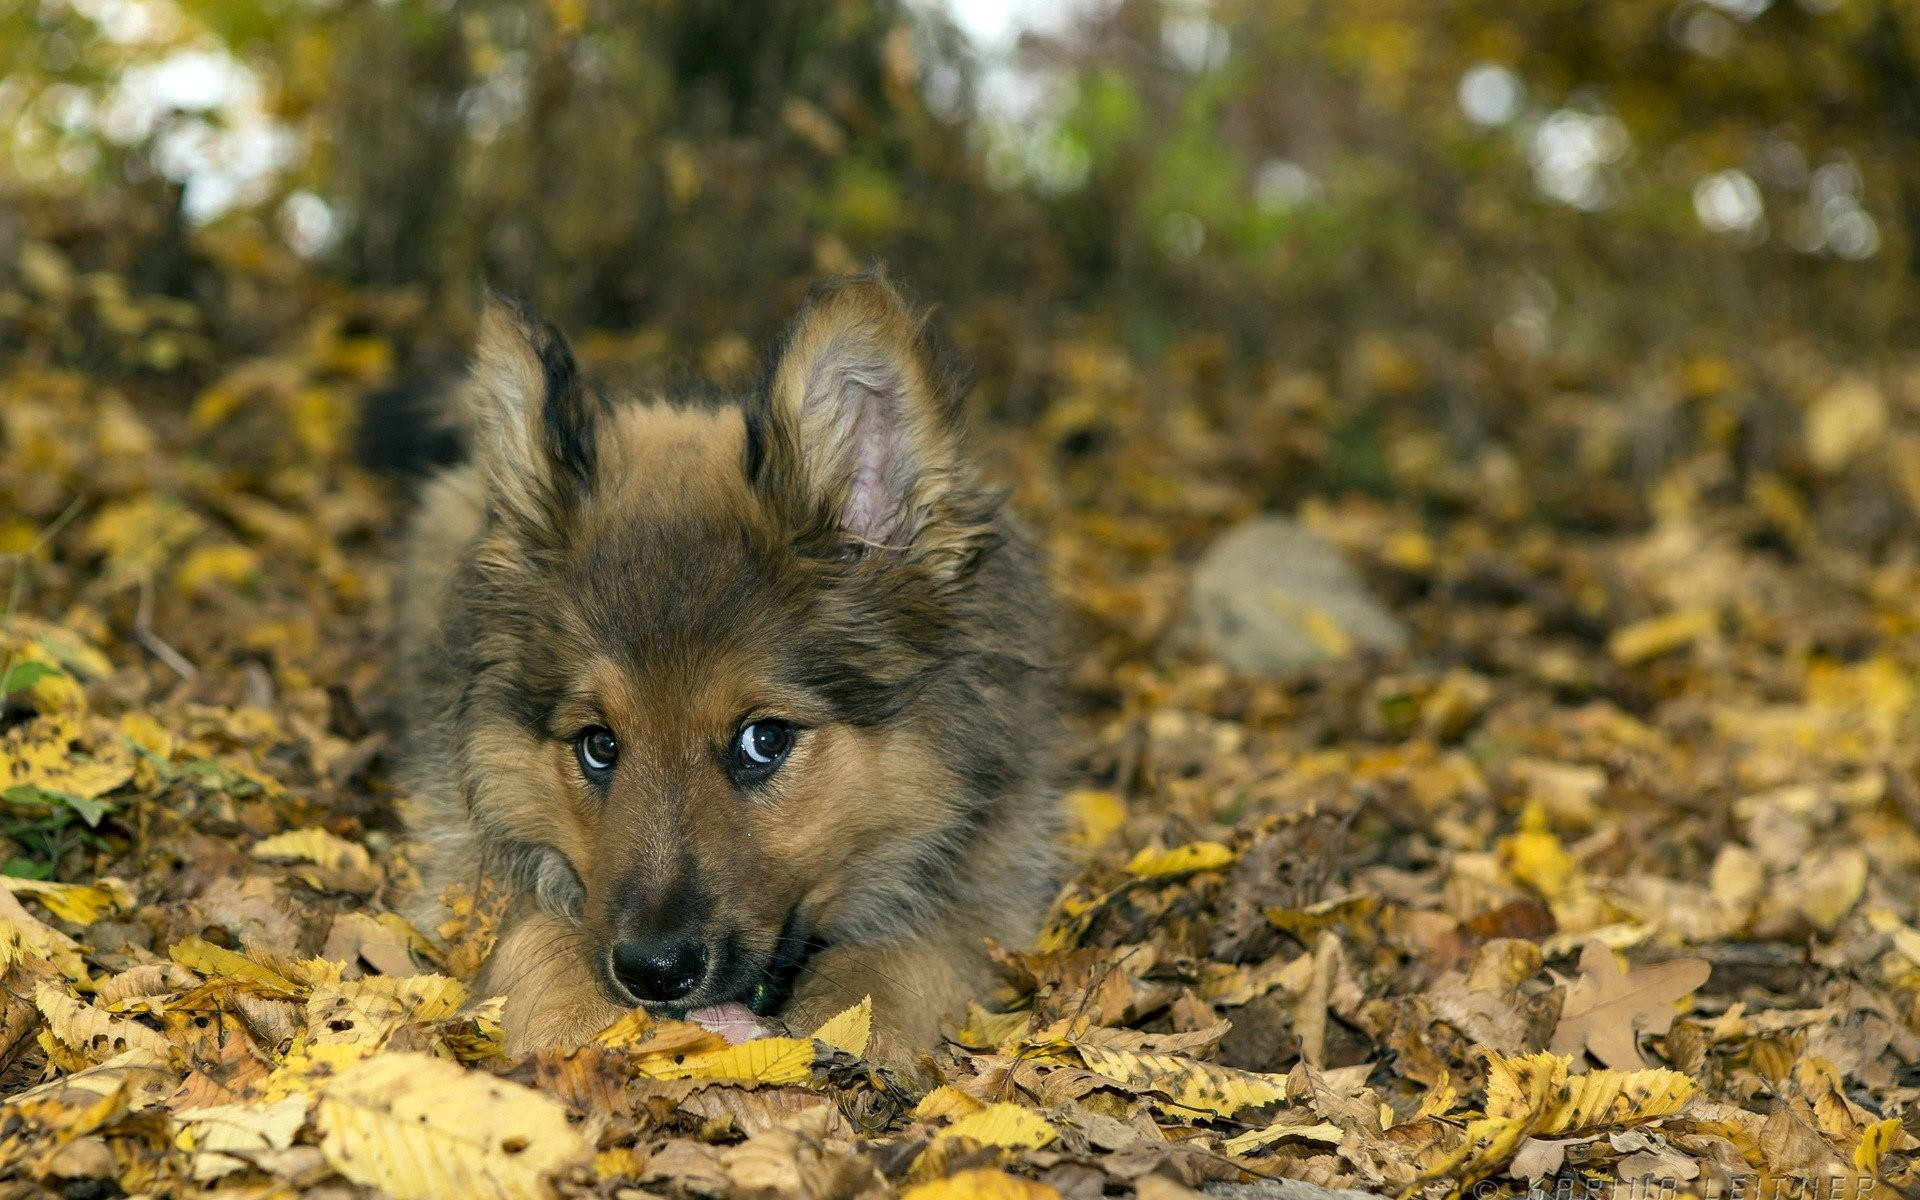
{"points": [[761, 985]]}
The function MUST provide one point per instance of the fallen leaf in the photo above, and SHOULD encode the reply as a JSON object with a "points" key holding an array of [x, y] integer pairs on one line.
{"points": [[1006, 1125], [763, 1060], [1607, 1009], [850, 1030], [417, 1127], [1194, 856]]}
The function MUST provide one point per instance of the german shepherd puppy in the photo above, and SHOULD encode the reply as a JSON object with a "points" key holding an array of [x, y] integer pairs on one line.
{"points": [[746, 702]]}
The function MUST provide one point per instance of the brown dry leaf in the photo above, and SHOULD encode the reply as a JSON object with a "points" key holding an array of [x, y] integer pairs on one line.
{"points": [[226, 1138], [88, 1031], [1607, 1009], [1323, 1132]]}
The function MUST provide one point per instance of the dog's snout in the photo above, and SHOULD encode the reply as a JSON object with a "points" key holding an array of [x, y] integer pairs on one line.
{"points": [[659, 969]]}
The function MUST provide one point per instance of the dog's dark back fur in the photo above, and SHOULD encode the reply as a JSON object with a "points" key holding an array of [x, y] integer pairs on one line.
{"points": [[819, 550]]}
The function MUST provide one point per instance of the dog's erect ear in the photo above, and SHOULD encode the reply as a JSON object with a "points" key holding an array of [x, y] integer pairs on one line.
{"points": [[533, 420], [860, 404]]}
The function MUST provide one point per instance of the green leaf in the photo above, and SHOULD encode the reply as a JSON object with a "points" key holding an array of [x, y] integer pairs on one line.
{"points": [[24, 674], [26, 868], [92, 811]]}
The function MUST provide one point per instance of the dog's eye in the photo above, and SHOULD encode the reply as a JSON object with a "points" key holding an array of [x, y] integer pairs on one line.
{"points": [[761, 746], [597, 750]]}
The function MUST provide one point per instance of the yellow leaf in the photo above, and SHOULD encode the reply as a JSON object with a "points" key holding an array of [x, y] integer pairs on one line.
{"points": [[41, 753], [55, 691], [1201, 1086], [1006, 1125], [981, 1184], [1539, 861], [1096, 815], [24, 936], [1579, 1104], [1644, 640], [369, 1011], [946, 1101], [229, 564], [1536, 1094], [337, 865], [136, 534], [81, 903], [417, 1127], [215, 962], [1326, 1133], [1843, 421], [316, 846], [1194, 856], [985, 1030], [850, 1030], [148, 734], [1410, 550], [762, 1060], [1875, 1141]]}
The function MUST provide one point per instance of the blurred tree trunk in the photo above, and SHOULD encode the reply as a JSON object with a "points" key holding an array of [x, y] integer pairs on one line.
{"points": [[398, 136]]}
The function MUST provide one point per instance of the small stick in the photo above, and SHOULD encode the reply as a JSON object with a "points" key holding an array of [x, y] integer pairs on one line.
{"points": [[157, 646]]}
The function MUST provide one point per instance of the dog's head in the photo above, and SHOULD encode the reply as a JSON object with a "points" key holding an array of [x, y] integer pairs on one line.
{"points": [[707, 644]]}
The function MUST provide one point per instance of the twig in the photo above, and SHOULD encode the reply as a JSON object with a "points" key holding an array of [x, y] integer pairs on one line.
{"points": [[156, 646]]}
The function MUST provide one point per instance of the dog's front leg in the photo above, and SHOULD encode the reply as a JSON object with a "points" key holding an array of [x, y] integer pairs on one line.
{"points": [[540, 966], [915, 985]]}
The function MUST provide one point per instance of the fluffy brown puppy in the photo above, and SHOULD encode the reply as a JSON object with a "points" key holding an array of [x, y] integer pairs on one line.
{"points": [[744, 700]]}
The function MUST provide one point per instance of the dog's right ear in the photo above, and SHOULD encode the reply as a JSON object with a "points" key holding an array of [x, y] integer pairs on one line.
{"points": [[533, 421]]}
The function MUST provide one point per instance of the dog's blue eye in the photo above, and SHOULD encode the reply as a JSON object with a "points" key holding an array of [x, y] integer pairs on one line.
{"points": [[761, 747], [597, 750]]}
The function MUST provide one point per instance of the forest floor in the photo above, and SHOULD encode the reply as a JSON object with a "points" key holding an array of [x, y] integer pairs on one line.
{"points": [[1610, 879]]}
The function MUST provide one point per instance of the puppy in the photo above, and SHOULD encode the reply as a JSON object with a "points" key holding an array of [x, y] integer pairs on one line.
{"points": [[747, 702]]}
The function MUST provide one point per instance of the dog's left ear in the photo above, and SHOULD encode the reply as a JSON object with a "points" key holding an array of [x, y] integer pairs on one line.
{"points": [[533, 420], [858, 400]]}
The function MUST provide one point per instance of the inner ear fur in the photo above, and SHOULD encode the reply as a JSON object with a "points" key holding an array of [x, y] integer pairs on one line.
{"points": [[533, 420], [864, 430]]}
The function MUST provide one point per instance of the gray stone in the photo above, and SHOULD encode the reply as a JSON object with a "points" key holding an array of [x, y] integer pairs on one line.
{"points": [[1283, 1189], [1264, 595]]}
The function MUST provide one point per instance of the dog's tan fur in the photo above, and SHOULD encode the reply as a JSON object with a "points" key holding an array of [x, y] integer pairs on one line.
{"points": [[819, 551]]}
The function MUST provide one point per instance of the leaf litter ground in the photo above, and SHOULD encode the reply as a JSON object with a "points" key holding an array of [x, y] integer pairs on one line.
{"points": [[1612, 880]]}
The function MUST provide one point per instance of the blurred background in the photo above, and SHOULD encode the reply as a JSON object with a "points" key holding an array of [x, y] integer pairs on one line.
{"points": [[1446, 275], [1378, 241]]}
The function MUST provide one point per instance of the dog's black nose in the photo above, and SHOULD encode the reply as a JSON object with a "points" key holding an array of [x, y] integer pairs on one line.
{"points": [[659, 969]]}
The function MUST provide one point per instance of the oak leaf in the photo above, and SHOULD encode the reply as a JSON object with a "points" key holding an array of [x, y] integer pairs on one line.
{"points": [[1607, 1009]]}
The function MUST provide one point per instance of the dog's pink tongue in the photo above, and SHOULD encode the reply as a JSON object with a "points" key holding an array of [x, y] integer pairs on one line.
{"points": [[733, 1021]]}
